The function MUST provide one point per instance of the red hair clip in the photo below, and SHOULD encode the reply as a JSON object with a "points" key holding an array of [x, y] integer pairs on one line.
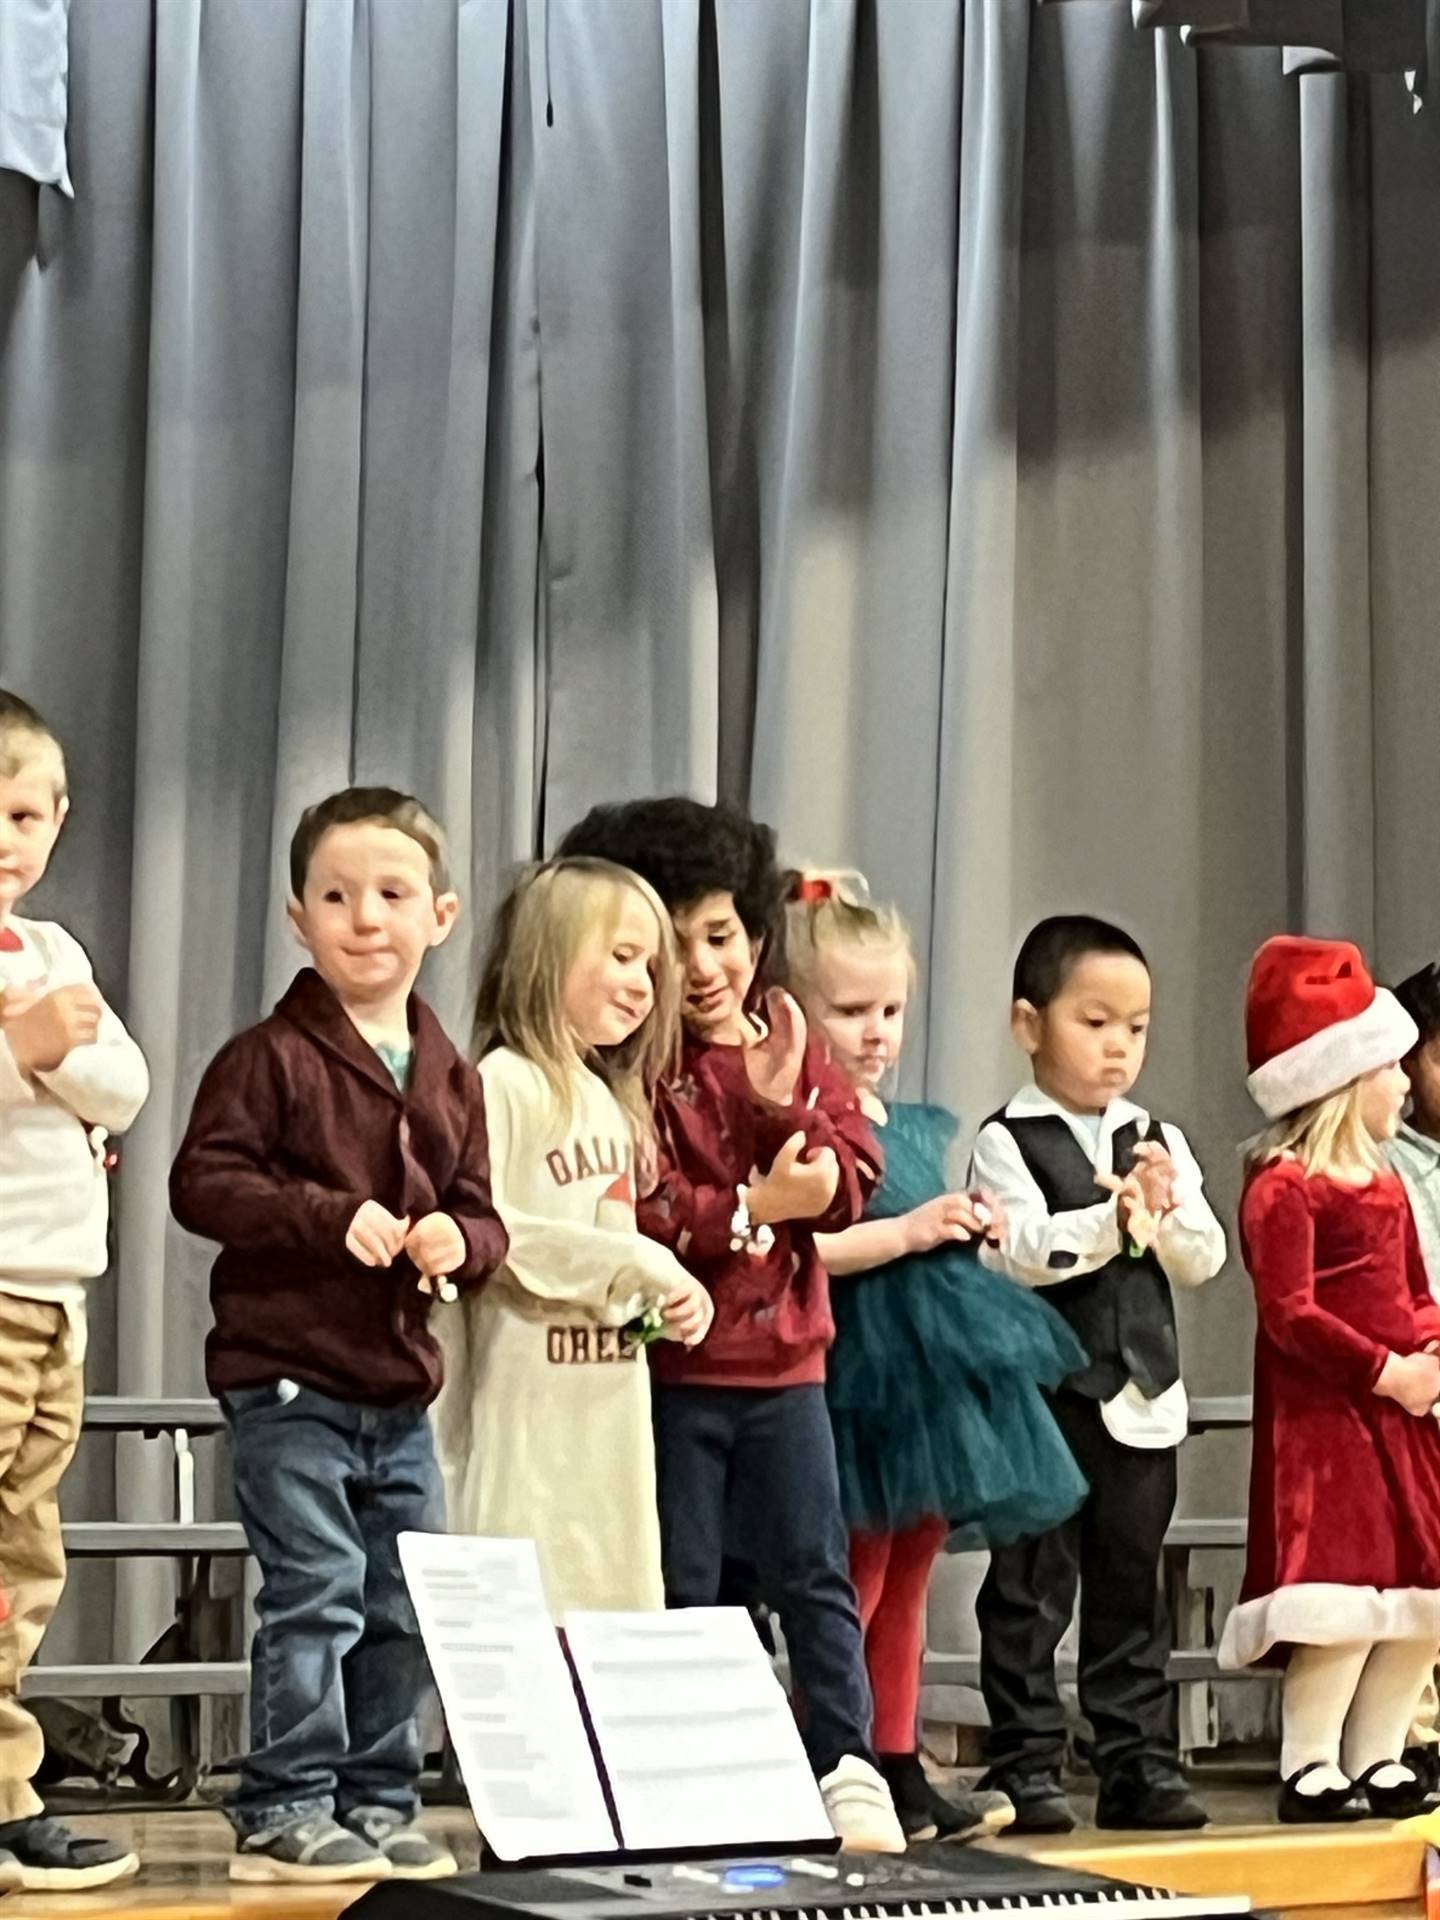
{"points": [[811, 889]]}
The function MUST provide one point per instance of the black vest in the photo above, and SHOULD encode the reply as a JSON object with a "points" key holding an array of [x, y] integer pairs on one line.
{"points": [[1123, 1313]]}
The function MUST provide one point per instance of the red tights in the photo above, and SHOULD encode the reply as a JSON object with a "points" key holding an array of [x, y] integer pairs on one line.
{"points": [[891, 1572]]}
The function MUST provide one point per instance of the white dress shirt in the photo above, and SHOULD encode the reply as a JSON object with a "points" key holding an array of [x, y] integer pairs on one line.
{"points": [[1190, 1243]]}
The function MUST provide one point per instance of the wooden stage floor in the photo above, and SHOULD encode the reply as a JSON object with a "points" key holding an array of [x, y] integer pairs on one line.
{"points": [[1373, 1869]]}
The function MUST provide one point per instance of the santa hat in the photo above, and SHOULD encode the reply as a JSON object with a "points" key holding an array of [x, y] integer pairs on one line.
{"points": [[1315, 1021]]}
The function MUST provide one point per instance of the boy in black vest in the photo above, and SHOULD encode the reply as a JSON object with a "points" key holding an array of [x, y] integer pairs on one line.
{"points": [[1103, 1207]]}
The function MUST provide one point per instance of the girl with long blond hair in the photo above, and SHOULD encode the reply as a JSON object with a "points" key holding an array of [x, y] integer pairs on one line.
{"points": [[1342, 1576], [543, 1424]]}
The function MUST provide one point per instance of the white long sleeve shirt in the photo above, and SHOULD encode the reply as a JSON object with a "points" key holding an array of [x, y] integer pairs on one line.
{"points": [[54, 1194], [1041, 1249], [1191, 1242]]}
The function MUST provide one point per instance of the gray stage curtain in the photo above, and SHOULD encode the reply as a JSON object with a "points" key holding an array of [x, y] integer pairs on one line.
{"points": [[998, 443]]}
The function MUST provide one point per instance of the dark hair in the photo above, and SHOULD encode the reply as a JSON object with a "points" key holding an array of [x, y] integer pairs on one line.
{"points": [[686, 850], [387, 807], [19, 721], [1420, 997], [1049, 952]]}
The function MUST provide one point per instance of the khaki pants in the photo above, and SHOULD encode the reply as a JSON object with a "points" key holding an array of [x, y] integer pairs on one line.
{"points": [[42, 1395]]}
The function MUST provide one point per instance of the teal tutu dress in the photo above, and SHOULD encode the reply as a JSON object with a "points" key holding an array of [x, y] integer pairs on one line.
{"points": [[937, 1373]]}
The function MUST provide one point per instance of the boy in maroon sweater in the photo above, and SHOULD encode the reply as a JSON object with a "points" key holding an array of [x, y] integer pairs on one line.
{"points": [[337, 1151], [762, 1146]]}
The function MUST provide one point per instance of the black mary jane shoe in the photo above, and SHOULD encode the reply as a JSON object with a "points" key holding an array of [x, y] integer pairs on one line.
{"points": [[1400, 1802], [1335, 1806], [1424, 1763]]}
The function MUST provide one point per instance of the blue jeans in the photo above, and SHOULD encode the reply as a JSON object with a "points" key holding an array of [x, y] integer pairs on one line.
{"points": [[754, 1468], [338, 1671]]}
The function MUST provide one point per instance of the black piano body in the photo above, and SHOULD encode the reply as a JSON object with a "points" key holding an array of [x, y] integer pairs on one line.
{"points": [[933, 1884]]}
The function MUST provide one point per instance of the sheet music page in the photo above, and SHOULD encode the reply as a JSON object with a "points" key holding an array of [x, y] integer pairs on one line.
{"points": [[698, 1740], [509, 1701]]}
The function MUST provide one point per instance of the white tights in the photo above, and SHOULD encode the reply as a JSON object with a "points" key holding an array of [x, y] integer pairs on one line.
{"points": [[1349, 1708]]}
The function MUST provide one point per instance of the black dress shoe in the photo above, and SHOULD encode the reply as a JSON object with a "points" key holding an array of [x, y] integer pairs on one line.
{"points": [[1038, 1799], [1335, 1805], [1143, 1799], [1424, 1763], [1400, 1802]]}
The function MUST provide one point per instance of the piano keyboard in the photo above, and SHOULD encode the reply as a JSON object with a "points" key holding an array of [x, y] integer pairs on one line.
{"points": [[1095, 1895], [929, 1884], [1129, 1902]]}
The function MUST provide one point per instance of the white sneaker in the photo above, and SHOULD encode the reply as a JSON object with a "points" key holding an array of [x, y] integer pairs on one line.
{"points": [[860, 1808]]}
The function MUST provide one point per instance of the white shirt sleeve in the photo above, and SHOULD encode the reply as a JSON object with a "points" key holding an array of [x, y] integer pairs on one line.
{"points": [[607, 1272], [105, 1083], [1040, 1248], [1190, 1245]]}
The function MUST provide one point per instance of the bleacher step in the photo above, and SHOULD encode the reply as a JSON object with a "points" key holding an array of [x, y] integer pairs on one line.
{"points": [[158, 1680], [97, 1539], [127, 1413]]}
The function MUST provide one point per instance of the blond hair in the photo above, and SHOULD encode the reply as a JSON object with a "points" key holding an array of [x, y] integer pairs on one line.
{"points": [[540, 930], [832, 908], [1327, 1137]]}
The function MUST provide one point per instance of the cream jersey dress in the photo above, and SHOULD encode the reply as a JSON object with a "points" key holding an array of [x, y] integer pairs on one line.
{"points": [[543, 1423]]}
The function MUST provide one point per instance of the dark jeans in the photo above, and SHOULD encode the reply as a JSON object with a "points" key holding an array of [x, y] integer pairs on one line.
{"points": [[1112, 1549], [764, 1460], [338, 1672]]}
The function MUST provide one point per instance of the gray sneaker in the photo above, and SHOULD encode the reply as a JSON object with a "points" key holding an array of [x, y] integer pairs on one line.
{"points": [[312, 1851], [412, 1854], [44, 1856]]}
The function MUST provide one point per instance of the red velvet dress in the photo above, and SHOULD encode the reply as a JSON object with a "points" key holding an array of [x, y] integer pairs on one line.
{"points": [[1344, 1541]]}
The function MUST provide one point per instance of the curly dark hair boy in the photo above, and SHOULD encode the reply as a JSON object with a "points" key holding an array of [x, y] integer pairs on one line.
{"points": [[686, 849]]}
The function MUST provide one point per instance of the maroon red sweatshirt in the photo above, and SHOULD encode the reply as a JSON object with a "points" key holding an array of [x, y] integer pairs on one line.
{"points": [[772, 1313], [297, 1121]]}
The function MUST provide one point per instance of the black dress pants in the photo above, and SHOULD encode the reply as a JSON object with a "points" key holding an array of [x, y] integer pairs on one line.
{"points": [[1112, 1550]]}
